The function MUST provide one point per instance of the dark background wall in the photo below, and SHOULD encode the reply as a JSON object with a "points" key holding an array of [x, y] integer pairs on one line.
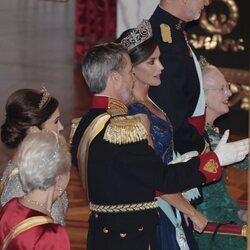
{"points": [[222, 36]]}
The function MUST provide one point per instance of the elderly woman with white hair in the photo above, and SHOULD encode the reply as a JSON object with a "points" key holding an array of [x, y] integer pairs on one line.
{"points": [[43, 161], [218, 206]]}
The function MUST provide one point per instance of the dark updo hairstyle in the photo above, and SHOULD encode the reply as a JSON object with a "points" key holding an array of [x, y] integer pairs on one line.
{"points": [[141, 52], [22, 112]]}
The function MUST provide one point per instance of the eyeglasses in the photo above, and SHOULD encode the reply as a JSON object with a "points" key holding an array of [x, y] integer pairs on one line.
{"points": [[223, 88]]}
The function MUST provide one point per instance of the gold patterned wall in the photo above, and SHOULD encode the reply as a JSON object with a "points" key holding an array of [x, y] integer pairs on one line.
{"points": [[222, 37], [217, 25]]}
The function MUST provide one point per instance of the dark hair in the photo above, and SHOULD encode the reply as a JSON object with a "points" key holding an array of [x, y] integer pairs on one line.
{"points": [[141, 52], [22, 112]]}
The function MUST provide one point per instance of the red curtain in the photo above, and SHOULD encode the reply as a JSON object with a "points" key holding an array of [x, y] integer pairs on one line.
{"points": [[95, 23]]}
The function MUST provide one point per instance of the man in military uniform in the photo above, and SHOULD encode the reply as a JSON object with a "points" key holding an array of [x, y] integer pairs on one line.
{"points": [[181, 93], [118, 170]]}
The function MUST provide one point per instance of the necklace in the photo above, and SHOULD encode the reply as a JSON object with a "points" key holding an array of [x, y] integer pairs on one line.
{"points": [[37, 203], [208, 125], [153, 108], [157, 107]]}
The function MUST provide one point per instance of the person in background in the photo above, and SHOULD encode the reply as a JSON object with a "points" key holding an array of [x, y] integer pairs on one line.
{"points": [[181, 94], [43, 161], [119, 170], [147, 69], [28, 110], [218, 205]]}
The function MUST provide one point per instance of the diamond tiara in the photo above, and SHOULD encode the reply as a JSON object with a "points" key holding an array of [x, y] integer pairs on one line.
{"points": [[59, 143], [140, 34], [45, 97]]}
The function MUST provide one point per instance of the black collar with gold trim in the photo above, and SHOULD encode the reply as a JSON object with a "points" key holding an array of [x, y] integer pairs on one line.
{"points": [[173, 21]]}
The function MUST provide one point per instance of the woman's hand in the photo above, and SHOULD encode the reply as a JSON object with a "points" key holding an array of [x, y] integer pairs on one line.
{"points": [[199, 220]]}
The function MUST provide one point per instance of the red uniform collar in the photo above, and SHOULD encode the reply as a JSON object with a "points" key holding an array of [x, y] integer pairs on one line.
{"points": [[113, 106], [100, 102]]}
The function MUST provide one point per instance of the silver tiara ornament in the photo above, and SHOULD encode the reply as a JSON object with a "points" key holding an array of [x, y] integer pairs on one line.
{"points": [[139, 35], [60, 141], [45, 97], [45, 161]]}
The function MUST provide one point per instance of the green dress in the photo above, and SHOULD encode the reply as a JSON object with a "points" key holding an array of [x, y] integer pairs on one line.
{"points": [[218, 206]]}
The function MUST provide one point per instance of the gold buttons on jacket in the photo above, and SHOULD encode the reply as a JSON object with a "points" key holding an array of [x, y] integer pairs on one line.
{"points": [[106, 230], [123, 235], [158, 213]]}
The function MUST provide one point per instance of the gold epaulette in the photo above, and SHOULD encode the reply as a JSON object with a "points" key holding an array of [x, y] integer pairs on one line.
{"points": [[74, 125], [124, 130]]}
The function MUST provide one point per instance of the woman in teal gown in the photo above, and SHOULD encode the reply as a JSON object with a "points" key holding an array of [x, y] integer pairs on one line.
{"points": [[218, 205]]}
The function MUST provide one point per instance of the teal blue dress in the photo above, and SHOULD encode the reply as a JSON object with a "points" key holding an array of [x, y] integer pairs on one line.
{"points": [[218, 206]]}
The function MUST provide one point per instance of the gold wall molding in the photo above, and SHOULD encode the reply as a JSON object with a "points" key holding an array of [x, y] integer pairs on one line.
{"points": [[240, 87], [239, 76], [218, 25]]}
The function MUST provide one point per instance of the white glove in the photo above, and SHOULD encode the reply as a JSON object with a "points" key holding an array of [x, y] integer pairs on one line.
{"points": [[232, 152], [184, 157]]}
